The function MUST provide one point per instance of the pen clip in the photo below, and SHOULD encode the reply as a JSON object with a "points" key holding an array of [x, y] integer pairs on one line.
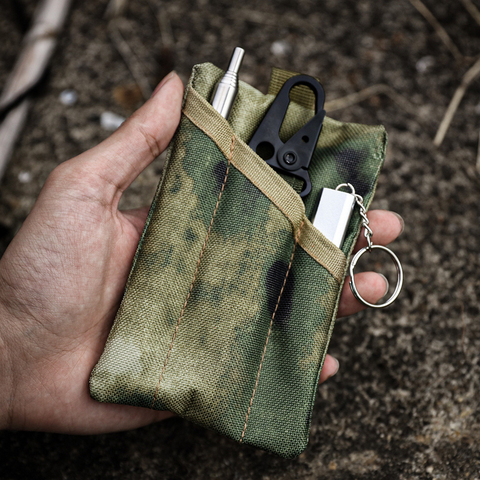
{"points": [[294, 156]]}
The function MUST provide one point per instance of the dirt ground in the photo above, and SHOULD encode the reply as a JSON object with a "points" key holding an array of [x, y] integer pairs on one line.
{"points": [[404, 404]]}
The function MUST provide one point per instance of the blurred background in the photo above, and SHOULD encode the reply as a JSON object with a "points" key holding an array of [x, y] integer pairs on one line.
{"points": [[405, 401]]}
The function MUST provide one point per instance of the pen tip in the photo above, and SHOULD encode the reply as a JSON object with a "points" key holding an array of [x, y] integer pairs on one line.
{"points": [[236, 60]]}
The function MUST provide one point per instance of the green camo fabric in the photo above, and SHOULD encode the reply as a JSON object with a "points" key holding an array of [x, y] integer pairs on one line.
{"points": [[231, 300]]}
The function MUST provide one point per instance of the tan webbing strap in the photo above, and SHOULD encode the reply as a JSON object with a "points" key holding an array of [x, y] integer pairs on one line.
{"points": [[300, 94]]}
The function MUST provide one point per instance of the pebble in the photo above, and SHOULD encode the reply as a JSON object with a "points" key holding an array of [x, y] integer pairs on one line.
{"points": [[24, 177], [68, 97], [425, 63], [111, 121], [280, 48]]}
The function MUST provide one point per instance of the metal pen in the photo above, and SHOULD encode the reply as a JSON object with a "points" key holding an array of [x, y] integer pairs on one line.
{"points": [[227, 87]]}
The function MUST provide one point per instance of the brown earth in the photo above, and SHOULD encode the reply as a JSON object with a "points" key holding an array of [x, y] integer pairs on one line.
{"points": [[404, 404]]}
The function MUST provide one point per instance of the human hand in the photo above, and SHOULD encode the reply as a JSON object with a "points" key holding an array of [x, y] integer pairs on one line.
{"points": [[63, 275]]}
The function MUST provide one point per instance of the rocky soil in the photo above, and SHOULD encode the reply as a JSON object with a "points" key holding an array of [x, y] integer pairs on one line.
{"points": [[405, 401]]}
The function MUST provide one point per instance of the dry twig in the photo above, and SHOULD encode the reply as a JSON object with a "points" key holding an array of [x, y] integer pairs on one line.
{"points": [[471, 74], [478, 154], [472, 10], [131, 60], [272, 19], [39, 44], [9, 131], [441, 32], [256, 16], [136, 45], [37, 51], [464, 327], [166, 54], [164, 25], [116, 8], [368, 92]]}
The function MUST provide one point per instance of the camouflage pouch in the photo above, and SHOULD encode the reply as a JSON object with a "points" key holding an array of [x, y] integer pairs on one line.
{"points": [[231, 300]]}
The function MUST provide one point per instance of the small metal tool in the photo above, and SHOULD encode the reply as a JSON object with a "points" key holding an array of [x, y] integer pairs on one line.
{"points": [[292, 157], [332, 218], [368, 233], [227, 87], [333, 214]]}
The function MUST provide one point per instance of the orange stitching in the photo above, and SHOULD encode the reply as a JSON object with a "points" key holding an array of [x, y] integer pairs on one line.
{"points": [[269, 331], [195, 274], [320, 262], [239, 168], [201, 127]]}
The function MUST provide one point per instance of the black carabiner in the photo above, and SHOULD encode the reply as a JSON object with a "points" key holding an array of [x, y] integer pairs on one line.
{"points": [[294, 156]]}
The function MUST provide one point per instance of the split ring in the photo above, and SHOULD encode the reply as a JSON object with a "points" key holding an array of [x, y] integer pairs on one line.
{"points": [[398, 265]]}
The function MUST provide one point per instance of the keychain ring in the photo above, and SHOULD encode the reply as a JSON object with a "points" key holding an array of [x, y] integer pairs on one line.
{"points": [[398, 265]]}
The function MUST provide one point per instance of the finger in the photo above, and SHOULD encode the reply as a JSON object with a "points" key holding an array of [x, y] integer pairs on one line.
{"points": [[137, 217], [371, 286], [386, 227], [330, 368], [119, 159]]}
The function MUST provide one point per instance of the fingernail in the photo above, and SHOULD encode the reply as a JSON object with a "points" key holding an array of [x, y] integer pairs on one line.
{"points": [[163, 82], [387, 284], [336, 370], [402, 222]]}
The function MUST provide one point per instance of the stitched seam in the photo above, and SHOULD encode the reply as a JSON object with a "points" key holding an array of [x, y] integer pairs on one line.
{"points": [[269, 332], [195, 274], [202, 128], [240, 169], [319, 261], [268, 195]]}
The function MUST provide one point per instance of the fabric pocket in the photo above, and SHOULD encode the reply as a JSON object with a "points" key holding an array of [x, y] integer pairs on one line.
{"points": [[230, 303]]}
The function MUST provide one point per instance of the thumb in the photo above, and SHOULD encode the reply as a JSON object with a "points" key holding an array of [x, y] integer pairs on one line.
{"points": [[120, 158]]}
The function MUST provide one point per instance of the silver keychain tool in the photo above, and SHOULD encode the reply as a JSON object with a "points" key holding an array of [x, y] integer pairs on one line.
{"points": [[333, 214], [227, 88], [370, 246]]}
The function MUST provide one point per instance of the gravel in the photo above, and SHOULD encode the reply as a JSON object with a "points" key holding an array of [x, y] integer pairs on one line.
{"points": [[404, 403]]}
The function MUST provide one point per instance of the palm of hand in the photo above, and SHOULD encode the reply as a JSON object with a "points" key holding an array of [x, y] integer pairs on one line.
{"points": [[63, 275], [71, 282], [62, 278]]}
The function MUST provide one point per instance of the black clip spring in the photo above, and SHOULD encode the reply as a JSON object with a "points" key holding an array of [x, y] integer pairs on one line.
{"points": [[294, 156]]}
